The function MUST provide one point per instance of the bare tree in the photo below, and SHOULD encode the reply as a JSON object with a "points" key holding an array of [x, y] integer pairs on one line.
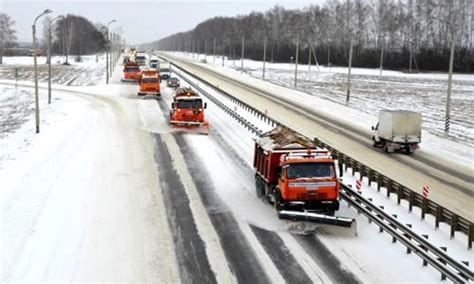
{"points": [[7, 34]]}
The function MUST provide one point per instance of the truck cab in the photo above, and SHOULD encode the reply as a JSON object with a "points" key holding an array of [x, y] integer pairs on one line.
{"points": [[154, 63], [187, 111], [140, 58], [308, 178]]}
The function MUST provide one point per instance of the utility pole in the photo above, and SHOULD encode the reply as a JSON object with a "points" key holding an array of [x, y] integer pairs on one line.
{"points": [[329, 58], [315, 57], [296, 58], [409, 64], [49, 61], [223, 51], [381, 58], [37, 110], [242, 56], [349, 75], [107, 46], [214, 52], [111, 53], [264, 56], [309, 57], [447, 121]]}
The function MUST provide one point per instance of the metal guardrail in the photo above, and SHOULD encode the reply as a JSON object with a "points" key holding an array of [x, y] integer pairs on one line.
{"points": [[441, 214], [430, 254]]}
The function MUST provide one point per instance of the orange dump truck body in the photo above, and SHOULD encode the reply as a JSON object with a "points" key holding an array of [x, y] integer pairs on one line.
{"points": [[149, 82], [187, 109], [292, 172]]}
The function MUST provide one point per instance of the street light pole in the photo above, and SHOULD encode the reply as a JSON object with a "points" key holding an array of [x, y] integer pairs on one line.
{"points": [[37, 114], [107, 53]]}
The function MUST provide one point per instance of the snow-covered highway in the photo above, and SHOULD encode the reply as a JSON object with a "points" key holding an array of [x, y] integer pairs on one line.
{"points": [[108, 192]]}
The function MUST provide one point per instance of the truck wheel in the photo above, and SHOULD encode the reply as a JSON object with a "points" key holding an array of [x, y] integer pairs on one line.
{"points": [[259, 187], [409, 150], [278, 203], [385, 147]]}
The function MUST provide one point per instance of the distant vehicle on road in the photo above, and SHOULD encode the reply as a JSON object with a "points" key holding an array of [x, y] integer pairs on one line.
{"points": [[173, 82], [140, 59], [154, 63], [397, 130], [165, 73]]}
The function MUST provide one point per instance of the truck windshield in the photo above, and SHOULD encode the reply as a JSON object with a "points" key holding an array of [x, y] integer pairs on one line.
{"points": [[189, 104], [309, 170], [132, 69], [150, 80]]}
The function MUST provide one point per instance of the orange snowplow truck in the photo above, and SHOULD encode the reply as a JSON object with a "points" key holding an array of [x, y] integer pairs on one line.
{"points": [[131, 72], [149, 82], [298, 178], [187, 110]]}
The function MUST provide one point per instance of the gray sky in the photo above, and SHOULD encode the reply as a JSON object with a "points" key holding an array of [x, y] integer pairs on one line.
{"points": [[141, 21]]}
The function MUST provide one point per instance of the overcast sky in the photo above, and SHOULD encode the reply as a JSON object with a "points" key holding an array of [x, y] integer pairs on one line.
{"points": [[141, 21]]}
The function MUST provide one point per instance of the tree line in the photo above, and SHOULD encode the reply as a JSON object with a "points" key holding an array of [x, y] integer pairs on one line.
{"points": [[70, 34], [405, 33]]}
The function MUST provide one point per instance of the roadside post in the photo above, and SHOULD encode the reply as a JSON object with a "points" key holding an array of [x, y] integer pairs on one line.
{"points": [[16, 78]]}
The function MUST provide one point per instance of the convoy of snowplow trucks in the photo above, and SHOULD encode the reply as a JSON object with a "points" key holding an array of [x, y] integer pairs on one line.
{"points": [[299, 179]]}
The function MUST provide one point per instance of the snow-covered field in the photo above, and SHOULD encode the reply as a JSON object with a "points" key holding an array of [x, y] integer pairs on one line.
{"points": [[370, 92], [16, 107], [84, 73]]}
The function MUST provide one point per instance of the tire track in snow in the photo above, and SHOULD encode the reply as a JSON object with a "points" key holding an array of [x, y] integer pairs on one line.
{"points": [[205, 230], [238, 251], [326, 260], [190, 248], [281, 256]]}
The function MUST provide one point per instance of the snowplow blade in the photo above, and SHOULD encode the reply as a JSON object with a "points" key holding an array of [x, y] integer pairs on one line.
{"points": [[315, 217], [191, 126]]}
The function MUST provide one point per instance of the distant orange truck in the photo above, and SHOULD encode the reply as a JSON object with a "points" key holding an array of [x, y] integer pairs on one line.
{"points": [[131, 72]]}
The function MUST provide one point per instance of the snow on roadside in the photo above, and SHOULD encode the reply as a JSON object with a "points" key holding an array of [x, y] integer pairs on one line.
{"points": [[89, 71], [16, 106]]}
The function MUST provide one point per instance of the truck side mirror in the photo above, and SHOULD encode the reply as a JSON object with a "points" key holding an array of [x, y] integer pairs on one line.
{"points": [[373, 128], [205, 105], [172, 105]]}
